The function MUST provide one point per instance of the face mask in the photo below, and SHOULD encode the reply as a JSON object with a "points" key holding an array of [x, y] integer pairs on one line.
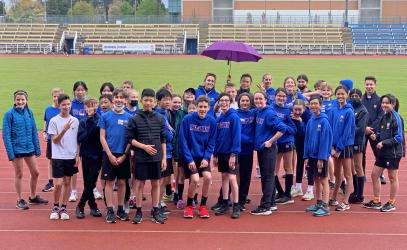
{"points": [[302, 87], [133, 103], [355, 101]]}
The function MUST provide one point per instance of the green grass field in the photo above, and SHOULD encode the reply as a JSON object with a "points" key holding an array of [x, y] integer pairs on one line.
{"points": [[39, 75]]}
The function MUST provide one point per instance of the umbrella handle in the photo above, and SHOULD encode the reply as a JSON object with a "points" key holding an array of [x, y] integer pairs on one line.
{"points": [[230, 66]]}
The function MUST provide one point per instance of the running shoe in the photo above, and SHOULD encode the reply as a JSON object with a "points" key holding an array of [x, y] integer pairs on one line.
{"points": [[383, 179], [309, 195], [189, 212], [122, 215], [95, 212], [342, 207], [285, 200], [48, 187], [388, 207], [73, 197], [180, 204], [296, 192], [37, 200], [333, 202], [97, 195], [80, 212], [203, 212], [313, 208], [63, 214], [156, 217], [167, 198], [22, 204], [235, 212], [373, 205], [322, 211], [222, 210], [110, 216], [138, 218], [54, 213], [261, 211]]}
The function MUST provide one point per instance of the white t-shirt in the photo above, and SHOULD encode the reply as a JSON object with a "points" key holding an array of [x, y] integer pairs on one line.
{"points": [[67, 148]]}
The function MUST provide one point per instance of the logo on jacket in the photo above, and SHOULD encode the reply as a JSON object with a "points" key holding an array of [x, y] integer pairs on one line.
{"points": [[319, 127], [342, 118], [248, 120], [259, 121], [122, 122], [196, 128], [375, 106], [224, 125], [388, 125]]}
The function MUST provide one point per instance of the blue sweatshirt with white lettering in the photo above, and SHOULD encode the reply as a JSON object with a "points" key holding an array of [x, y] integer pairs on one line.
{"points": [[284, 114], [267, 125], [228, 133], [197, 137], [247, 120], [318, 138], [342, 121]]}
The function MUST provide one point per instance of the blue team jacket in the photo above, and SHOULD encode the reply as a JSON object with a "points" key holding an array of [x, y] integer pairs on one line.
{"points": [[342, 121], [318, 138], [248, 125], [284, 114], [228, 133]]}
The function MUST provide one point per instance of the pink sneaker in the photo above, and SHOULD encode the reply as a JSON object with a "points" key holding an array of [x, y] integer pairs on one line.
{"points": [[180, 204]]}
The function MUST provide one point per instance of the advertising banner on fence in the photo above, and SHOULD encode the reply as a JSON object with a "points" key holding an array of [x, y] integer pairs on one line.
{"points": [[128, 47]]}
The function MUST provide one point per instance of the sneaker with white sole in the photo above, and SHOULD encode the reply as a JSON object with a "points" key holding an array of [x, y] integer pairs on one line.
{"points": [[309, 195], [342, 207], [54, 213], [73, 197], [258, 175], [296, 192], [96, 194], [63, 214]]}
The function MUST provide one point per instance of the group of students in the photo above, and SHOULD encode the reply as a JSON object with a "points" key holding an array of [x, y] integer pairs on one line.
{"points": [[172, 138]]}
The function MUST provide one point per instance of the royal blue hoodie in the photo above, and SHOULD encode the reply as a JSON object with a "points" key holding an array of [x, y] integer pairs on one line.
{"points": [[197, 137], [228, 133], [284, 114], [290, 99], [78, 110], [267, 125], [318, 138], [212, 95], [271, 92], [326, 106], [342, 121], [302, 126], [169, 132], [247, 120]]}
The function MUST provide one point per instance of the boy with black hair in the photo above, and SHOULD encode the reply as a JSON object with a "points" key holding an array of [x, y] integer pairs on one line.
{"points": [[115, 163], [91, 156], [164, 100], [197, 138], [245, 82], [146, 133], [63, 129]]}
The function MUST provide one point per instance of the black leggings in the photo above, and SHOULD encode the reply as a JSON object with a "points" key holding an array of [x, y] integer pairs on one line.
{"points": [[90, 168], [299, 148], [245, 173], [267, 162]]}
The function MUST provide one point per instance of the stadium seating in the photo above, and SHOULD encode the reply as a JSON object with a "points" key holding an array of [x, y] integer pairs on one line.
{"points": [[27, 38], [168, 38], [379, 34], [273, 38]]}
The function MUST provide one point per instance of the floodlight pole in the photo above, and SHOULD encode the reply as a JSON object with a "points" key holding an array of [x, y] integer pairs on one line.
{"points": [[309, 11], [346, 11], [45, 10]]}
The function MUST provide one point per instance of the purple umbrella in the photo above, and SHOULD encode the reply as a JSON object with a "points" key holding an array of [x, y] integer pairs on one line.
{"points": [[232, 51]]}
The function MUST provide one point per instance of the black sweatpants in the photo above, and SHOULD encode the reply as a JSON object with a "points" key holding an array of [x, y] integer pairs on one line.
{"points": [[299, 148], [245, 173], [267, 162], [90, 168]]}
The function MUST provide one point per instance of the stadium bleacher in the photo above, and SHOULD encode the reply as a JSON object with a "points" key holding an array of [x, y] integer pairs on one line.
{"points": [[167, 38], [379, 34], [27, 38], [270, 38]]}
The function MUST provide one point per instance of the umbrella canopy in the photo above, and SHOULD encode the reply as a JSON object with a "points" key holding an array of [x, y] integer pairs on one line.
{"points": [[232, 51]]}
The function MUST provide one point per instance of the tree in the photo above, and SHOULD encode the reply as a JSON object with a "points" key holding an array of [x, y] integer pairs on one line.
{"points": [[25, 10], [120, 7], [126, 8], [2, 8], [151, 8], [83, 8], [58, 7]]}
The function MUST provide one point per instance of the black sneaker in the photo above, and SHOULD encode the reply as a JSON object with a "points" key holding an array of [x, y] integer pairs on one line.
{"points": [[122, 215], [273, 207], [80, 212], [216, 206], [95, 212], [382, 179], [48, 187], [110, 216], [236, 212], [175, 199], [37, 200], [331, 185], [285, 200], [21, 204], [242, 208], [165, 210], [356, 200], [138, 218], [373, 205], [388, 207], [261, 211], [156, 217], [222, 210]]}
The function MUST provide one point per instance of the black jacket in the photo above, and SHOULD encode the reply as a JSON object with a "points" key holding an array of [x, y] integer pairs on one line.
{"points": [[373, 106], [89, 137], [390, 133], [361, 117], [147, 128]]}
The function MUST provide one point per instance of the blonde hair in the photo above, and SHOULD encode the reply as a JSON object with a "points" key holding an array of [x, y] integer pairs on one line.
{"points": [[54, 90]]}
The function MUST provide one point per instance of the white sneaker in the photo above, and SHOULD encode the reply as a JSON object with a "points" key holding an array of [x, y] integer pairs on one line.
{"points": [[64, 214], [126, 207], [258, 175], [295, 192], [54, 214], [309, 195], [96, 194], [162, 204], [73, 197]]}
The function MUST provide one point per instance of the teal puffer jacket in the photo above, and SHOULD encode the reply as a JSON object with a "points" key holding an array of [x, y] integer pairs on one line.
{"points": [[20, 134]]}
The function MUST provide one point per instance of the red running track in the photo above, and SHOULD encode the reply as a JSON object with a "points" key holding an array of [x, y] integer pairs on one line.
{"points": [[289, 228]]}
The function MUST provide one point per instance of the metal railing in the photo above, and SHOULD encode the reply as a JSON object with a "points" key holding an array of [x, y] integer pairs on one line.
{"points": [[238, 19]]}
